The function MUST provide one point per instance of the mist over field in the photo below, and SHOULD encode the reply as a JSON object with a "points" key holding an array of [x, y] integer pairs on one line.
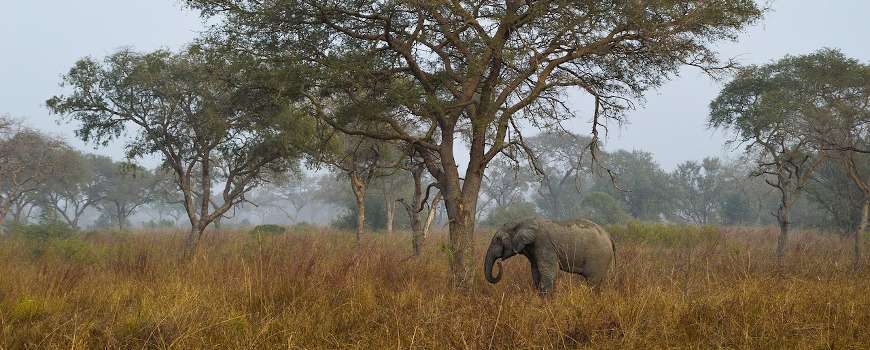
{"points": [[466, 174]]}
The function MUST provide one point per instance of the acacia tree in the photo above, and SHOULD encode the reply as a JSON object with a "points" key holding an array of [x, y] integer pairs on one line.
{"points": [[698, 189], [643, 188], [474, 69], [418, 202], [361, 160], [220, 121], [764, 106], [392, 183], [835, 100], [128, 188], [28, 159], [564, 159], [415, 207], [290, 195], [83, 184], [506, 182]]}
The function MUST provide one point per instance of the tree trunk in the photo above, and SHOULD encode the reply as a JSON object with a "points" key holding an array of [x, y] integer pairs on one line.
{"points": [[417, 237], [461, 209], [865, 211], [390, 208], [359, 193], [360, 218], [17, 210], [4, 209], [782, 216], [121, 217], [430, 217], [192, 241], [414, 211], [461, 245]]}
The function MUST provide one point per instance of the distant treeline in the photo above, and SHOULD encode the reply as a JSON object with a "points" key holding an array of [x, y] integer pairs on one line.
{"points": [[622, 186]]}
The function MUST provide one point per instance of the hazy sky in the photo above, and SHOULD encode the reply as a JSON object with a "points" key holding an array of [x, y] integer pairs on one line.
{"points": [[41, 39]]}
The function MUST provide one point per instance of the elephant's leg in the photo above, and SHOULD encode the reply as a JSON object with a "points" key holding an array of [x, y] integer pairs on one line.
{"points": [[536, 274], [548, 268], [595, 281]]}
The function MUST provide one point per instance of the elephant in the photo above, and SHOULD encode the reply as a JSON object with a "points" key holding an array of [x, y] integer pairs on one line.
{"points": [[577, 246]]}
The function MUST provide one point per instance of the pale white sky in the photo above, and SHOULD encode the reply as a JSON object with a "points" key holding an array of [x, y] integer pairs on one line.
{"points": [[41, 39]]}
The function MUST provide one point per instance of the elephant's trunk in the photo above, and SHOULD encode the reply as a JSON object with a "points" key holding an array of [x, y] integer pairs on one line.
{"points": [[492, 258]]}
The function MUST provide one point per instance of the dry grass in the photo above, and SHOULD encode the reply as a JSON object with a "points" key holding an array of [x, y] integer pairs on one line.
{"points": [[316, 290]]}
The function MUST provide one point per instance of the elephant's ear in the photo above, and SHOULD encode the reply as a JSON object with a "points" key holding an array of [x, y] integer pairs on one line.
{"points": [[523, 236]]}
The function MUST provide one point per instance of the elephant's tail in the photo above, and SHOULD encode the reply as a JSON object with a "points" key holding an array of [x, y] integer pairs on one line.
{"points": [[613, 248]]}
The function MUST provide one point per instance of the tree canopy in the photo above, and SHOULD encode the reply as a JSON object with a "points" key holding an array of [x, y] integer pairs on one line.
{"points": [[475, 69], [215, 118]]}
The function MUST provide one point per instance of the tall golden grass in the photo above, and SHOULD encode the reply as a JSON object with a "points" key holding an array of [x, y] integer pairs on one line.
{"points": [[719, 288]]}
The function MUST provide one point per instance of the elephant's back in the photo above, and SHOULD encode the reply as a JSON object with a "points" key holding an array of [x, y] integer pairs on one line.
{"points": [[586, 228], [592, 237]]}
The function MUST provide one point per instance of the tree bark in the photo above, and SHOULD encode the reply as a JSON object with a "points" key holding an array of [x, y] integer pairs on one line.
{"points": [[5, 207], [192, 240], [360, 218], [390, 208], [461, 209], [359, 193], [462, 246], [121, 217], [782, 216], [417, 237], [430, 217], [417, 234], [865, 211]]}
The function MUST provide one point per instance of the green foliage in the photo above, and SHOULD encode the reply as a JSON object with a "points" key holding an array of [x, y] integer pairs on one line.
{"points": [[511, 213], [44, 231], [643, 187], [698, 191], [376, 215], [792, 115], [603, 209], [664, 234], [217, 117], [57, 239], [736, 208]]}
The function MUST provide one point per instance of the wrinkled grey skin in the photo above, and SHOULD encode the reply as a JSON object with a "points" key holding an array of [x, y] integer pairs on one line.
{"points": [[578, 246]]}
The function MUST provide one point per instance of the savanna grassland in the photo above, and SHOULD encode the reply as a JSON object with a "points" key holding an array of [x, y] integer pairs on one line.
{"points": [[675, 287]]}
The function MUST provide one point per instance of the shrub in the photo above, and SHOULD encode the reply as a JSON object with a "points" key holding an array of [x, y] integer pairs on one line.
{"points": [[663, 233], [302, 227], [44, 231], [603, 209], [74, 250]]}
